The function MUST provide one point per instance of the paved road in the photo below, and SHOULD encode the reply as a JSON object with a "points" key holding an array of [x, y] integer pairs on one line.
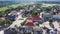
{"points": [[18, 21]]}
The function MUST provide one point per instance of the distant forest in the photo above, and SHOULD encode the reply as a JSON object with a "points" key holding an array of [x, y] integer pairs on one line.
{"points": [[6, 3]]}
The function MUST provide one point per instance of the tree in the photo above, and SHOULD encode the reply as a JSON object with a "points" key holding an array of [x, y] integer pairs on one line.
{"points": [[50, 23], [23, 23], [20, 7], [2, 13], [34, 12], [6, 22]]}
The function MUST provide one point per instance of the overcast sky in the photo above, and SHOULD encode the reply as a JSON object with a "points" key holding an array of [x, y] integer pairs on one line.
{"points": [[29, 0]]}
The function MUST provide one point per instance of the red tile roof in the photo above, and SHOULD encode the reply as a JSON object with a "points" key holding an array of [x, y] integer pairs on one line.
{"points": [[36, 17], [30, 22]]}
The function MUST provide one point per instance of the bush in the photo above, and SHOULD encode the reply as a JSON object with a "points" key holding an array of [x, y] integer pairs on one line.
{"points": [[50, 20], [37, 24]]}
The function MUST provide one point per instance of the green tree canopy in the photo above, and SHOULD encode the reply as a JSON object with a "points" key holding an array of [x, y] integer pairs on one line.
{"points": [[34, 12], [7, 21]]}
